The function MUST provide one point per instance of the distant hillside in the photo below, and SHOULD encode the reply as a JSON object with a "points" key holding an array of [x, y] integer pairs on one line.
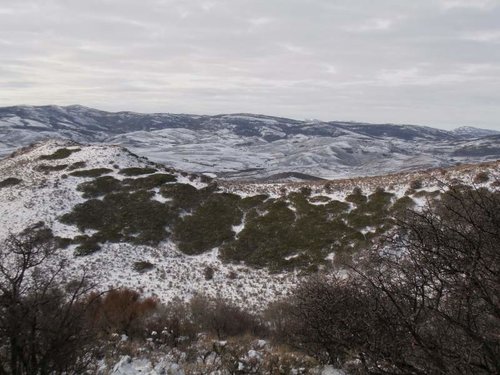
{"points": [[246, 146]]}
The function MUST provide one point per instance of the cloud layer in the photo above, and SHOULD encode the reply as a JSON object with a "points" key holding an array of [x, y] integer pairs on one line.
{"points": [[434, 62]]}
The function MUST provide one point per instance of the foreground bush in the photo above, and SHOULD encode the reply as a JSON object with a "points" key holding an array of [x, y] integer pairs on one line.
{"points": [[123, 311], [44, 325], [425, 302]]}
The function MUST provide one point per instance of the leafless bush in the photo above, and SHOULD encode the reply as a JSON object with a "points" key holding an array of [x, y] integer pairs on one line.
{"points": [[44, 325], [208, 272], [123, 311], [172, 325], [224, 319], [416, 184], [481, 177], [425, 302]]}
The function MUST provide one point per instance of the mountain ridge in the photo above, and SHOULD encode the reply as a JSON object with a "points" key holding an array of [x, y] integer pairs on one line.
{"points": [[247, 146], [463, 129]]}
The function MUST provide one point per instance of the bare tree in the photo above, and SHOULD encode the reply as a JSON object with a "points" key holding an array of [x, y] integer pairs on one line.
{"points": [[43, 322], [425, 302]]}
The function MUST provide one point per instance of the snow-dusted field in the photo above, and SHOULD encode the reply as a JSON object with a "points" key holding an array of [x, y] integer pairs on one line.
{"points": [[42, 197], [46, 196]]}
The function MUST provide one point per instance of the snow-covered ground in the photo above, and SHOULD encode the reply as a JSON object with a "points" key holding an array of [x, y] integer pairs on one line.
{"points": [[41, 197], [46, 196]]}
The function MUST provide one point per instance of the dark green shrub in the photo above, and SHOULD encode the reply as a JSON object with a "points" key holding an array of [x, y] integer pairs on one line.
{"points": [[62, 243], [336, 207], [88, 215], [62, 153], [374, 211], [205, 179], [356, 197], [416, 184], [211, 188], [51, 168], [285, 233], [100, 186], [360, 220], [305, 190], [320, 199], [379, 201], [210, 225], [96, 172], [264, 240], [143, 266], [402, 204], [11, 181], [208, 272], [277, 237], [427, 194], [183, 196], [149, 182], [77, 165], [328, 187], [87, 245], [133, 217], [136, 171], [248, 203]]}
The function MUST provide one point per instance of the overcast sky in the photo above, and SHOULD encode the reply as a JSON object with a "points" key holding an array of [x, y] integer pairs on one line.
{"points": [[430, 62]]}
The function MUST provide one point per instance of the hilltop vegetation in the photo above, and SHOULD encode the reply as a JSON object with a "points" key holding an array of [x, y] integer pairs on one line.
{"points": [[294, 230], [170, 233]]}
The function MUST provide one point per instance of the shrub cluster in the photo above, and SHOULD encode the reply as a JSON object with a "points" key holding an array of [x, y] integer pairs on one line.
{"points": [[99, 187], [481, 177], [210, 225], [96, 172], [11, 181], [136, 171], [143, 266], [124, 311], [45, 168], [293, 231], [148, 182], [124, 216], [61, 153]]}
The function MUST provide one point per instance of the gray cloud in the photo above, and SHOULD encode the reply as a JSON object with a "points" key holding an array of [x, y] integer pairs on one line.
{"points": [[434, 62]]}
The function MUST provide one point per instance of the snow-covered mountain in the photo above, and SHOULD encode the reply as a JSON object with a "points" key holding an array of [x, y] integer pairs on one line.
{"points": [[244, 146], [471, 132]]}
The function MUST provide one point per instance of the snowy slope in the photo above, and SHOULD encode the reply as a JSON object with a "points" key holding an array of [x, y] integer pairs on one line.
{"points": [[45, 196]]}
